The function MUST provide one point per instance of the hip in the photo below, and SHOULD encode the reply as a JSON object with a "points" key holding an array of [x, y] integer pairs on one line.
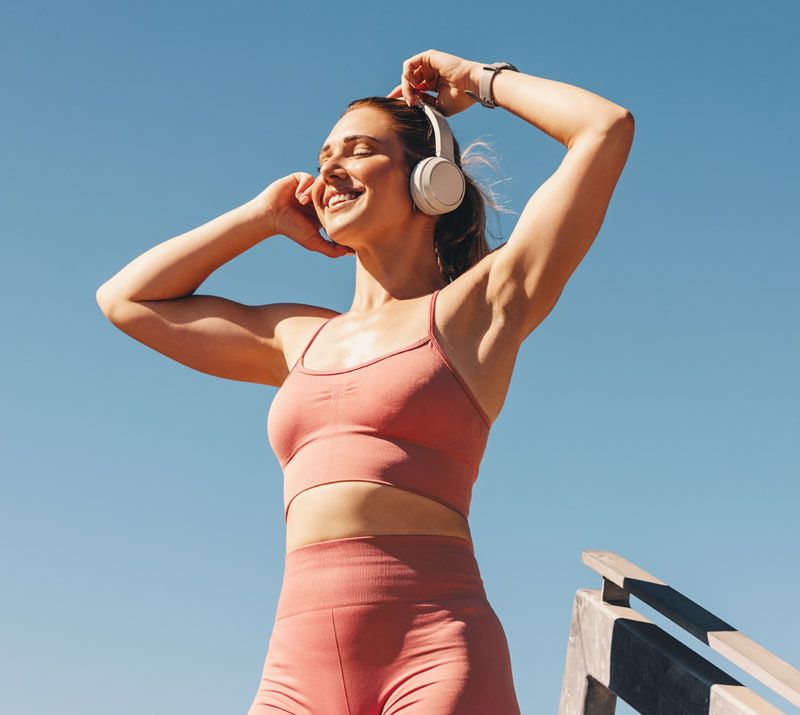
{"points": [[377, 569]]}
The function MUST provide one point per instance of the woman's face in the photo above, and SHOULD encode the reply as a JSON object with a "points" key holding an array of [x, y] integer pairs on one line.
{"points": [[373, 167]]}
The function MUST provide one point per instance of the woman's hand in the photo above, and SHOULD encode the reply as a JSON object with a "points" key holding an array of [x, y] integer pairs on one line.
{"points": [[435, 71], [289, 210]]}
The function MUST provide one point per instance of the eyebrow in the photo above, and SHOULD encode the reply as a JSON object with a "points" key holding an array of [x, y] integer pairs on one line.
{"points": [[351, 138]]}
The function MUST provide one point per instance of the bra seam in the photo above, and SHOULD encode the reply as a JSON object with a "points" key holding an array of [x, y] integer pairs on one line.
{"points": [[310, 371], [302, 368], [430, 337], [453, 455]]}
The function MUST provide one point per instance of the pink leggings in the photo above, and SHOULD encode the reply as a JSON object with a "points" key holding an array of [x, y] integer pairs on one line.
{"points": [[394, 624]]}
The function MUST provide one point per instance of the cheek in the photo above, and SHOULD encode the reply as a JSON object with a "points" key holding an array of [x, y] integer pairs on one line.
{"points": [[392, 180]]}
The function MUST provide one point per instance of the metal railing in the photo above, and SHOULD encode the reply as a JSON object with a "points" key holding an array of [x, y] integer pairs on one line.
{"points": [[614, 652]]}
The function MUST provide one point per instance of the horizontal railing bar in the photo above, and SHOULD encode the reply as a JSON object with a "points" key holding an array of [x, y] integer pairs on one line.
{"points": [[722, 637], [632, 658]]}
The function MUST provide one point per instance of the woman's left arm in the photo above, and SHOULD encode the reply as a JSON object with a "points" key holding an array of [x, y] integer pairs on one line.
{"points": [[561, 220]]}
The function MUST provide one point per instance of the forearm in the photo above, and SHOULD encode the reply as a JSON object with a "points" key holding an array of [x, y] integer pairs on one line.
{"points": [[560, 110], [176, 267]]}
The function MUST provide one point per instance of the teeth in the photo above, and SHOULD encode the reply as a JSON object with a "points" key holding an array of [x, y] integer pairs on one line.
{"points": [[338, 198]]}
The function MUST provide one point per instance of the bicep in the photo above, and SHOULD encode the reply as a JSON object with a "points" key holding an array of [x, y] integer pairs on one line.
{"points": [[560, 222], [211, 334]]}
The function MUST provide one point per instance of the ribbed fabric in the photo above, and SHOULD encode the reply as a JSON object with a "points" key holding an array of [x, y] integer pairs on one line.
{"points": [[390, 624], [406, 419], [378, 569]]}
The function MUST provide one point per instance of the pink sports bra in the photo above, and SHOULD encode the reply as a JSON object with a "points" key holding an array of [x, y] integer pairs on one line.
{"points": [[406, 419]]}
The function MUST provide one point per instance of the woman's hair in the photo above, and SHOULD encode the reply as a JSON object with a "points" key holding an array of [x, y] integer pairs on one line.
{"points": [[460, 235]]}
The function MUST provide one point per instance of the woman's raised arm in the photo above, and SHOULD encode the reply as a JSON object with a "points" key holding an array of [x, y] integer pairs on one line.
{"points": [[176, 267], [151, 299], [563, 217]]}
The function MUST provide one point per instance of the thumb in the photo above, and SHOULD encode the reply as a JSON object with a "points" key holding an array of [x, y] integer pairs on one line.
{"points": [[329, 248], [314, 241]]}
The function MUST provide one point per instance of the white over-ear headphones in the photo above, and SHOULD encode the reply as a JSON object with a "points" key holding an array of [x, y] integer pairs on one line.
{"points": [[437, 183]]}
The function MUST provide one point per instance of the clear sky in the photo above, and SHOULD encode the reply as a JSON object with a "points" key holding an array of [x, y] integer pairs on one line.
{"points": [[654, 413]]}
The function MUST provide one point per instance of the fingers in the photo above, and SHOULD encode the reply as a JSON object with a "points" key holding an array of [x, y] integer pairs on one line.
{"points": [[305, 184], [314, 241], [303, 225], [424, 97], [416, 70], [340, 250], [396, 93], [330, 248], [399, 92], [408, 79], [417, 93], [309, 228]]}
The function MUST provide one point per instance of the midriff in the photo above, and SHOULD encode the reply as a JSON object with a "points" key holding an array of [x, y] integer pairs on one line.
{"points": [[343, 509]]}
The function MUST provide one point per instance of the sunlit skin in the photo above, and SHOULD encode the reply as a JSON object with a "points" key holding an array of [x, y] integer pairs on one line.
{"points": [[482, 316], [394, 262], [393, 243]]}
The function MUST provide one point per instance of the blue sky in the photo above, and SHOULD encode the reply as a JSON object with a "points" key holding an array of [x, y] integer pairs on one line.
{"points": [[654, 413]]}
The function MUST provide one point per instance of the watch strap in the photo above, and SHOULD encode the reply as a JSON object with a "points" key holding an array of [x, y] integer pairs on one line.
{"points": [[485, 96]]}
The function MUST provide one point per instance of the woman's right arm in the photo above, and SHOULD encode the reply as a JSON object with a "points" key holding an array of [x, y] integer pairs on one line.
{"points": [[151, 299]]}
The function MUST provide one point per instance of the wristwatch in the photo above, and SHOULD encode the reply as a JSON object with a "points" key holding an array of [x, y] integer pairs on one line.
{"points": [[485, 88]]}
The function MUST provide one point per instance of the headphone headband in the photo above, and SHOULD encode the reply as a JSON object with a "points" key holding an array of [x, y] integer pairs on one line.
{"points": [[442, 133]]}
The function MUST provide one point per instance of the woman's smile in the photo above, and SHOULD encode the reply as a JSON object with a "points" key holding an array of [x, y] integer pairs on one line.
{"points": [[340, 203]]}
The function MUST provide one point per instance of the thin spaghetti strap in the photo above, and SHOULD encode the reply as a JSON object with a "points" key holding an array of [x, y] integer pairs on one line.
{"points": [[313, 337], [431, 311]]}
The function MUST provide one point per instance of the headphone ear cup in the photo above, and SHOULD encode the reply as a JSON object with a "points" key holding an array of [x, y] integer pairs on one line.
{"points": [[437, 185]]}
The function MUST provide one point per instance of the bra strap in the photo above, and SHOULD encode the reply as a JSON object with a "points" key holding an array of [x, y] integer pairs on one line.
{"points": [[313, 337], [431, 312]]}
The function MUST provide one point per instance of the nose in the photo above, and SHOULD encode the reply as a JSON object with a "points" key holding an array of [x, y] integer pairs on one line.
{"points": [[331, 167], [331, 174]]}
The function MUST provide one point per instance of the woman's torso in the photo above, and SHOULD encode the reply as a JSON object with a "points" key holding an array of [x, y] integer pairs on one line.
{"points": [[472, 337]]}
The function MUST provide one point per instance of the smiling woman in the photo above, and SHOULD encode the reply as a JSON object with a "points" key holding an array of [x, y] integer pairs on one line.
{"points": [[403, 136], [383, 412]]}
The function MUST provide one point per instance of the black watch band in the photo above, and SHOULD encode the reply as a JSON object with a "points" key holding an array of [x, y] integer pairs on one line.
{"points": [[486, 98]]}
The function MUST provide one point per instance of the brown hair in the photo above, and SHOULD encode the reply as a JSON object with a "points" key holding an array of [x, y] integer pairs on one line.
{"points": [[459, 239]]}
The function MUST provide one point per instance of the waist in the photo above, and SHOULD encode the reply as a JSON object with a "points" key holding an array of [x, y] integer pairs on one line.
{"points": [[360, 508], [379, 569]]}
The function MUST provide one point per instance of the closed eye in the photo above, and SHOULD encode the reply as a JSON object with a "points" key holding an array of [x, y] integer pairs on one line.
{"points": [[361, 153]]}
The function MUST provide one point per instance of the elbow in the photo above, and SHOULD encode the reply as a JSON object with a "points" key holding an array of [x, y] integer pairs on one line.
{"points": [[103, 299], [614, 126], [624, 120], [621, 131], [108, 303]]}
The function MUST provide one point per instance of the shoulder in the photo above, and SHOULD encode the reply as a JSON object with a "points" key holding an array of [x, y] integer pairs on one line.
{"points": [[295, 326], [299, 318]]}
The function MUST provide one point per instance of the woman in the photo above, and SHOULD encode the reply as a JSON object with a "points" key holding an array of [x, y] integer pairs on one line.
{"points": [[382, 419]]}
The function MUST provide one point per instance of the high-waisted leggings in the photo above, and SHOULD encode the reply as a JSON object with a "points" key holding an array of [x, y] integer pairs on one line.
{"points": [[385, 625]]}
